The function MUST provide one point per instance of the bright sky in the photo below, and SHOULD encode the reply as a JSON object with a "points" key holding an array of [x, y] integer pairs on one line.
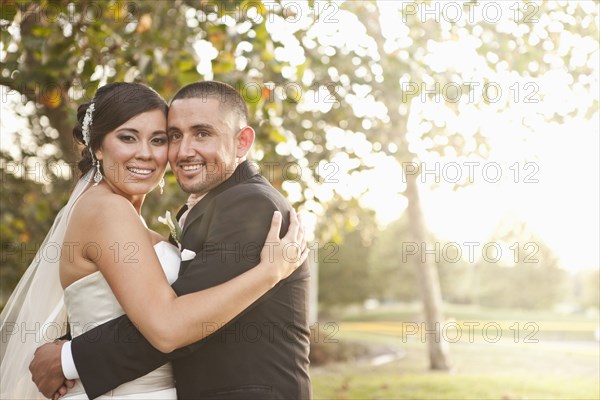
{"points": [[561, 209]]}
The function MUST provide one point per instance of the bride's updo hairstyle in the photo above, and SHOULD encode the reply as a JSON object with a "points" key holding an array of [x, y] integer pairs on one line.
{"points": [[114, 104]]}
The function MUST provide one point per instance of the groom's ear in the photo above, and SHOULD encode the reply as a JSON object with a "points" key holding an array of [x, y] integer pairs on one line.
{"points": [[244, 141]]}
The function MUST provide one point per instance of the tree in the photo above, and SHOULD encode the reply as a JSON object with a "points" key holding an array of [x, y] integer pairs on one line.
{"points": [[312, 75], [345, 274], [590, 292], [56, 53], [529, 276], [394, 275], [27, 215], [395, 82], [392, 262]]}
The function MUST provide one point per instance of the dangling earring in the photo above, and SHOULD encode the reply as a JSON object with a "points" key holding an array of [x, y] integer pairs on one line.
{"points": [[98, 175], [161, 185]]}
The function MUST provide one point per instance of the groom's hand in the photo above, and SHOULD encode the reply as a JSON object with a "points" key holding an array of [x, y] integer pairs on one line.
{"points": [[46, 369]]}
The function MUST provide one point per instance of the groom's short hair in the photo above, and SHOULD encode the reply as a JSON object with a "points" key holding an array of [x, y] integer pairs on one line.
{"points": [[229, 99]]}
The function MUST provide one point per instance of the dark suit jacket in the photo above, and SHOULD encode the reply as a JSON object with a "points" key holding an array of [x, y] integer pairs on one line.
{"points": [[262, 354]]}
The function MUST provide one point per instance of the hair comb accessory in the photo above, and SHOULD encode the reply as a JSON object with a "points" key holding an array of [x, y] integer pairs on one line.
{"points": [[87, 123]]}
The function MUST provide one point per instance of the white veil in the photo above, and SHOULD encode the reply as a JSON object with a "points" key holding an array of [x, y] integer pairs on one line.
{"points": [[35, 312]]}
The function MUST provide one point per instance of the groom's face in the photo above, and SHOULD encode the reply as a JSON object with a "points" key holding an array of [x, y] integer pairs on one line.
{"points": [[202, 143]]}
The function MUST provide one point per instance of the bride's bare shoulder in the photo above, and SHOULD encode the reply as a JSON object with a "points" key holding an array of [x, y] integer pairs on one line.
{"points": [[99, 203]]}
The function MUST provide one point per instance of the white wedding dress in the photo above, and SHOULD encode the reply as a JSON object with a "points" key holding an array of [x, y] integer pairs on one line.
{"points": [[90, 302]]}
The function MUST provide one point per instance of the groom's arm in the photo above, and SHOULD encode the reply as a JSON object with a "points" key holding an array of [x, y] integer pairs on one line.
{"points": [[111, 354], [115, 352]]}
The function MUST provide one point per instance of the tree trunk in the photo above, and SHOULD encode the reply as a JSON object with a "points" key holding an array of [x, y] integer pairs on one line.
{"points": [[428, 280]]}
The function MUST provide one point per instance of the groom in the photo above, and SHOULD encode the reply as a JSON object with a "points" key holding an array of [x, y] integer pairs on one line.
{"points": [[263, 353]]}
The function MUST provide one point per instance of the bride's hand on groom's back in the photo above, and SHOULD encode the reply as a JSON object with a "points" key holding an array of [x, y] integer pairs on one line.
{"points": [[284, 255]]}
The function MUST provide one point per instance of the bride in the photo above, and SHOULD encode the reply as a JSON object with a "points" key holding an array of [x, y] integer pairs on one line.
{"points": [[110, 262]]}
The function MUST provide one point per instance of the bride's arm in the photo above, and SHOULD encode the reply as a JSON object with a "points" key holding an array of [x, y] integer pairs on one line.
{"points": [[139, 284]]}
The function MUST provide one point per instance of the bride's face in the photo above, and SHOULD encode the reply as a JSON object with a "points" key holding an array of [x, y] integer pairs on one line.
{"points": [[134, 156]]}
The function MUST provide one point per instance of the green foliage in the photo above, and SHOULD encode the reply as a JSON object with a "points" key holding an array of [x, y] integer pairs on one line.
{"points": [[455, 281], [522, 286], [344, 276], [394, 276], [28, 210], [591, 289], [534, 281]]}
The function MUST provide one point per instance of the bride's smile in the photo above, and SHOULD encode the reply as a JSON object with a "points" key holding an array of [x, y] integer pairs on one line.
{"points": [[134, 155]]}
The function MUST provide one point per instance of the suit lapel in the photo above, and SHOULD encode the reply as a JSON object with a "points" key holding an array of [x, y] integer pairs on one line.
{"points": [[181, 211], [243, 172]]}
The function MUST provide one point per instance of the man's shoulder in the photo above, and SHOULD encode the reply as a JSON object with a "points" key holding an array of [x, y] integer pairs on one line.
{"points": [[255, 188]]}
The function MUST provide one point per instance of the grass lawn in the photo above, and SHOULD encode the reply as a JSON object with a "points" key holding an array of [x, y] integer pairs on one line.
{"points": [[380, 384], [559, 365]]}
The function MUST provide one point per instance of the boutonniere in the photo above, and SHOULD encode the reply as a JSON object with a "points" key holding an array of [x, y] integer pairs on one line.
{"points": [[173, 225]]}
